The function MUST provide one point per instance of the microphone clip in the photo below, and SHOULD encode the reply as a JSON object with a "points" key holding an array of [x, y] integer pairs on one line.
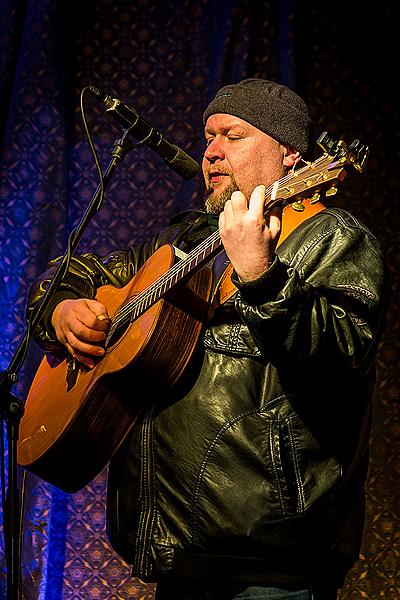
{"points": [[122, 146]]}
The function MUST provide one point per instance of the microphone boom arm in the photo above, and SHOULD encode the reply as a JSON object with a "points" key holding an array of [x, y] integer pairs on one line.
{"points": [[144, 133]]}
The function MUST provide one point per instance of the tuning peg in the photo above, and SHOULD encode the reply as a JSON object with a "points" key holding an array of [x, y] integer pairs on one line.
{"points": [[315, 198], [331, 191], [327, 143], [359, 155], [298, 206]]}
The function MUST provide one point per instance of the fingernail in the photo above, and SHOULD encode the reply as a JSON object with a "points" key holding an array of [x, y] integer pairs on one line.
{"points": [[87, 364], [103, 317]]}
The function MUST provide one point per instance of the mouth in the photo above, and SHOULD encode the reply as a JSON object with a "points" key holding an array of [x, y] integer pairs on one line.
{"points": [[216, 177]]}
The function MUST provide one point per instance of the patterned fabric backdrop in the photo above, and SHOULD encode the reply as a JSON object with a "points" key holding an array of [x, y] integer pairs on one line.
{"points": [[166, 59]]}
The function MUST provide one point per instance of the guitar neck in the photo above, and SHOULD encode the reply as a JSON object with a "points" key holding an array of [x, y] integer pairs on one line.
{"points": [[187, 266], [178, 273], [290, 186], [306, 181]]}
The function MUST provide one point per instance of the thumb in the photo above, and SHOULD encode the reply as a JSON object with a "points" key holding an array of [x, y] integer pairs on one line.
{"points": [[98, 309]]}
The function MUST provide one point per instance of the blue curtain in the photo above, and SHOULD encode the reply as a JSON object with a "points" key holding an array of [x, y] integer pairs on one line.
{"points": [[166, 59]]}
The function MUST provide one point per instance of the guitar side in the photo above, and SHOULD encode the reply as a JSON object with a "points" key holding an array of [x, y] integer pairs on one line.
{"points": [[69, 432]]}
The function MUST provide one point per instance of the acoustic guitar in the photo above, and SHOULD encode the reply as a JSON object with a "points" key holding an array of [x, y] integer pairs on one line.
{"points": [[75, 419]]}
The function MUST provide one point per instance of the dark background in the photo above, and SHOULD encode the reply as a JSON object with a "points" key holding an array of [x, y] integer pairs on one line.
{"points": [[167, 59]]}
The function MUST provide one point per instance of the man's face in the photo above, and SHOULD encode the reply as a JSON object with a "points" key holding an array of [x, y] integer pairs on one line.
{"points": [[238, 157]]}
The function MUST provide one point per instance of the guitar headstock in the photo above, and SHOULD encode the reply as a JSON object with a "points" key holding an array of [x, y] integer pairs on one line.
{"points": [[322, 175], [356, 154]]}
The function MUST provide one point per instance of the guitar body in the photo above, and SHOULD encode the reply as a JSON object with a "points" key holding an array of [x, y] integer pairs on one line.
{"points": [[75, 419]]}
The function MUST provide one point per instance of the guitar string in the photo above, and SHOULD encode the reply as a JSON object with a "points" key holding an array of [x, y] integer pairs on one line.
{"points": [[209, 242], [127, 311], [135, 304]]}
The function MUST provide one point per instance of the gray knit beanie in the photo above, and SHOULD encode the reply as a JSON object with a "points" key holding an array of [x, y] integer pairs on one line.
{"points": [[271, 107]]}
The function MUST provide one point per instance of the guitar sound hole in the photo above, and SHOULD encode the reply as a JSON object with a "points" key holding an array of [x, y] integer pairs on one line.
{"points": [[116, 334]]}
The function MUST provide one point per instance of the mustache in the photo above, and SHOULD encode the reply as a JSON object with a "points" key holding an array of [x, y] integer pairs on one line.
{"points": [[216, 170]]}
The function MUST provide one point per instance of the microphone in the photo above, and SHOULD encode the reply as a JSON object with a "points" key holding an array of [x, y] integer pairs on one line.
{"points": [[141, 130]]}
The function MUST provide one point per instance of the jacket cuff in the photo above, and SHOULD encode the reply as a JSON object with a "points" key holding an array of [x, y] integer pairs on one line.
{"points": [[45, 330], [264, 288]]}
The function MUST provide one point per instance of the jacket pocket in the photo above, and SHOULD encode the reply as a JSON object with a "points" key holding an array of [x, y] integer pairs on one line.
{"points": [[303, 470], [248, 477], [286, 465], [260, 467]]}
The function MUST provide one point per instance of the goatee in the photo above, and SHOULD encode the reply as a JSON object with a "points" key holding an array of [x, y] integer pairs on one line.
{"points": [[214, 202]]}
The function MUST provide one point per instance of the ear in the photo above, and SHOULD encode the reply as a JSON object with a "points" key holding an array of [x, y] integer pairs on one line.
{"points": [[290, 156]]}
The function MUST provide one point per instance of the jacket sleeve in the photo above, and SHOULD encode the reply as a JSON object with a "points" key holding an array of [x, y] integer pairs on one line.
{"points": [[324, 301]]}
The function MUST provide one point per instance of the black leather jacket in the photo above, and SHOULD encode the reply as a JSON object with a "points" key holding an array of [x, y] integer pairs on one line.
{"points": [[253, 467]]}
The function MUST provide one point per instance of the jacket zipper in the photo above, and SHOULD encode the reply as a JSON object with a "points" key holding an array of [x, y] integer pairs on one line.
{"points": [[142, 564]]}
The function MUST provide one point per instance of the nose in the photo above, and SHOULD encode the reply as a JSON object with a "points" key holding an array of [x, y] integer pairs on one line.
{"points": [[214, 151]]}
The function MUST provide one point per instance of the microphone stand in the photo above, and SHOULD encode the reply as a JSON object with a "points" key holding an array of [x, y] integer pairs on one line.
{"points": [[11, 408]]}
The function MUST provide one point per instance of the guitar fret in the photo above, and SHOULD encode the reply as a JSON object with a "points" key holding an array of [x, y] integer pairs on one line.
{"points": [[291, 184], [139, 304]]}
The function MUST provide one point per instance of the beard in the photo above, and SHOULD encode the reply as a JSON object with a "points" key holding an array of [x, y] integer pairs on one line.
{"points": [[215, 201]]}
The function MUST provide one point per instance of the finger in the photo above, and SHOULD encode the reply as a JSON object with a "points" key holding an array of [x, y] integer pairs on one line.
{"points": [[86, 312], [238, 202], [257, 202], [86, 361], [86, 332], [81, 358], [98, 309], [275, 221], [103, 317], [93, 314], [83, 347]]}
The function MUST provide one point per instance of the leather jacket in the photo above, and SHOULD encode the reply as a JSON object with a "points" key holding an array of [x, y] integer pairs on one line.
{"points": [[252, 467]]}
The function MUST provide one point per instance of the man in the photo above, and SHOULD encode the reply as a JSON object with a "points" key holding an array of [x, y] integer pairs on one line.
{"points": [[246, 479]]}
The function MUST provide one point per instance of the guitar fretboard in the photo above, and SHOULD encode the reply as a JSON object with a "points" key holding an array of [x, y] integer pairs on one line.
{"points": [[289, 186]]}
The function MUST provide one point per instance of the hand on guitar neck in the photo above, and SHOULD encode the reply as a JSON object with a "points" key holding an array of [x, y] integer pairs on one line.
{"points": [[248, 234], [82, 325]]}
